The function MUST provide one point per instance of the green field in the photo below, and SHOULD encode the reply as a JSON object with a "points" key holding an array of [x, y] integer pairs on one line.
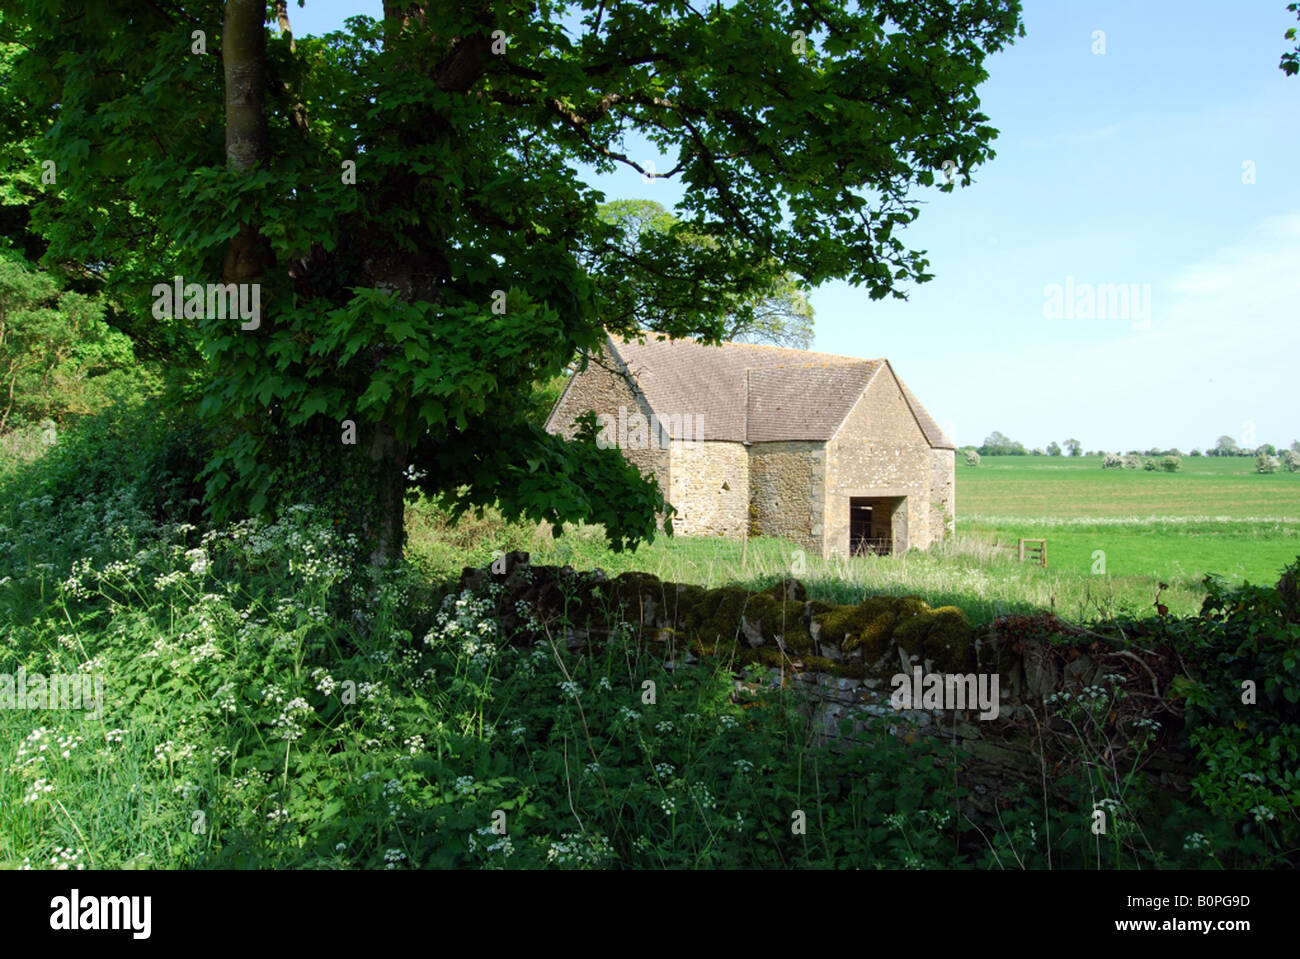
{"points": [[1216, 515]]}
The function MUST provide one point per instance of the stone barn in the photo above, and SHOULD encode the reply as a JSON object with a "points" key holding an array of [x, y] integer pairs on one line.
{"points": [[831, 452]]}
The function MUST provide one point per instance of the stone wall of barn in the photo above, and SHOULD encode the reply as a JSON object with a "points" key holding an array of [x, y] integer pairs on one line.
{"points": [[880, 451], [709, 486], [607, 394], [943, 496], [787, 491]]}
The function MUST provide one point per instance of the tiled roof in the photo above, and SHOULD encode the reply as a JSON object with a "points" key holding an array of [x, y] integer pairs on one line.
{"points": [[751, 393]]}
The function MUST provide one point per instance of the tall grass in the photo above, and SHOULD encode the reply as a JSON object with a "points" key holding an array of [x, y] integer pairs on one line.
{"points": [[965, 570]]}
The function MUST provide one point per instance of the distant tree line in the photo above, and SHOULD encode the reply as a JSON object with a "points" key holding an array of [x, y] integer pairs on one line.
{"points": [[997, 444]]}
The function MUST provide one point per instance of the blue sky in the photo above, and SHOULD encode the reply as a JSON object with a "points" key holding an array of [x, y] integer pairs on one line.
{"points": [[1123, 167]]}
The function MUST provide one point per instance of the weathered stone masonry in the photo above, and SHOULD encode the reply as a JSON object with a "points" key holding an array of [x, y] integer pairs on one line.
{"points": [[839, 660]]}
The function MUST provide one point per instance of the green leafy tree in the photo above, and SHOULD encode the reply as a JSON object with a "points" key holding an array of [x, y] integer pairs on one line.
{"points": [[1053, 448], [1073, 447], [779, 313], [403, 195], [53, 344], [995, 444], [1290, 64], [1224, 446]]}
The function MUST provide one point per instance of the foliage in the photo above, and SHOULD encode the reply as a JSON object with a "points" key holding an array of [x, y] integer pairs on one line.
{"points": [[1264, 463], [1132, 461], [58, 357], [1224, 446], [995, 444], [972, 457], [423, 297], [780, 313], [1053, 448], [1112, 461], [270, 705], [147, 450], [1291, 460], [1243, 706], [1290, 63], [1171, 464], [313, 714]]}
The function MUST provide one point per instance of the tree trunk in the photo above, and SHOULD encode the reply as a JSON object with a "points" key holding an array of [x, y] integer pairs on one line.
{"points": [[243, 52], [384, 514]]}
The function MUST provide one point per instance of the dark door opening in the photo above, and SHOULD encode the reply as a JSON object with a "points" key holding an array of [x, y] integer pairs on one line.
{"points": [[870, 526]]}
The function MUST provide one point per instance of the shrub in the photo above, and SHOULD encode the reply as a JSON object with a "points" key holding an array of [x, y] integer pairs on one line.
{"points": [[1171, 464], [1245, 742], [1150, 465], [148, 450], [59, 357], [972, 458], [1264, 463], [1132, 461], [1112, 461], [1291, 460]]}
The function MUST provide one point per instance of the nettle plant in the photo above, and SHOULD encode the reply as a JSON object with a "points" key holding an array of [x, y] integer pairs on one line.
{"points": [[404, 193]]}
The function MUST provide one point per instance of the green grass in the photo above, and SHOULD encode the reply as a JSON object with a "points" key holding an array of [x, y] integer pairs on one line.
{"points": [[1214, 517]]}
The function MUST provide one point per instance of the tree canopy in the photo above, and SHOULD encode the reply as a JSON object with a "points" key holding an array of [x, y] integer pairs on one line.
{"points": [[995, 444], [779, 313], [405, 195]]}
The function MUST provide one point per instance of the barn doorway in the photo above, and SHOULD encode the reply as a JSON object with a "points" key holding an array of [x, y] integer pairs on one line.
{"points": [[871, 525]]}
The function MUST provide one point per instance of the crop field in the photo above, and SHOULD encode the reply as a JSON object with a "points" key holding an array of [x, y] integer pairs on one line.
{"points": [[1113, 536], [1215, 515]]}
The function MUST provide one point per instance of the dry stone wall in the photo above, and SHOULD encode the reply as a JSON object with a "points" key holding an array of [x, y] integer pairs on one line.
{"points": [[925, 670]]}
